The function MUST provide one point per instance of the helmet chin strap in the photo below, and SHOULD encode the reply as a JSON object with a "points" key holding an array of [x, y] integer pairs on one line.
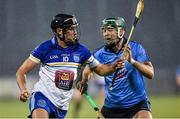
{"points": [[61, 37], [74, 41]]}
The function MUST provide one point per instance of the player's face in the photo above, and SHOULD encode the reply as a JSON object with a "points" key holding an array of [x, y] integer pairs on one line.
{"points": [[109, 34], [71, 34]]}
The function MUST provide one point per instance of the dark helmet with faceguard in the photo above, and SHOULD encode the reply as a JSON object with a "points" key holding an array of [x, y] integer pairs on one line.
{"points": [[63, 21]]}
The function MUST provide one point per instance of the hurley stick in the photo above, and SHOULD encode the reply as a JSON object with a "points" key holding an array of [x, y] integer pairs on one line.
{"points": [[139, 10]]}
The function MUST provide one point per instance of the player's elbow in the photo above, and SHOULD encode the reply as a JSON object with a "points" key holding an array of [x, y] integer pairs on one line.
{"points": [[150, 74], [98, 71], [18, 72]]}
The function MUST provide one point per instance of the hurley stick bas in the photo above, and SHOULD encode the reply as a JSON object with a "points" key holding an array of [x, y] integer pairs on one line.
{"points": [[139, 10], [93, 105]]}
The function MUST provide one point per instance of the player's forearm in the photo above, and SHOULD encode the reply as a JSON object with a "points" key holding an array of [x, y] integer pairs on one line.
{"points": [[85, 75], [25, 68], [104, 70], [84, 79], [145, 68], [20, 78]]}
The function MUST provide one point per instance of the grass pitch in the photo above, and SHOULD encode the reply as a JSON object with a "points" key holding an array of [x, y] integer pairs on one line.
{"points": [[162, 107]]}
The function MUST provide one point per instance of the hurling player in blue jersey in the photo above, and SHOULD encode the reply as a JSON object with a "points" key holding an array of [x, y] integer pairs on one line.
{"points": [[60, 58], [127, 98]]}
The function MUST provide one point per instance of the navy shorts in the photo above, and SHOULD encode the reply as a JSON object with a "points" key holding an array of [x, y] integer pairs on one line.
{"points": [[38, 100], [125, 112]]}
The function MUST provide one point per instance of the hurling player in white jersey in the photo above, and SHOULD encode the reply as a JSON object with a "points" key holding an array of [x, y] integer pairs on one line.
{"points": [[60, 58]]}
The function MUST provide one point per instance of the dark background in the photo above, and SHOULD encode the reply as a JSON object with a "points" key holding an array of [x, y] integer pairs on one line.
{"points": [[26, 23]]}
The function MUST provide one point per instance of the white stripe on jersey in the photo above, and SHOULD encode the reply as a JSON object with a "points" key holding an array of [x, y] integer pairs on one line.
{"points": [[34, 58], [32, 101], [66, 64]]}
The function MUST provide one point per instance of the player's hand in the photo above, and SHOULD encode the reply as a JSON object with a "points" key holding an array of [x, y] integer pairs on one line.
{"points": [[82, 87], [119, 64], [24, 95], [128, 54]]}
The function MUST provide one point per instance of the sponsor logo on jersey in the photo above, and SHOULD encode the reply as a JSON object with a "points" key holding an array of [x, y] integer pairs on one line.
{"points": [[53, 57]]}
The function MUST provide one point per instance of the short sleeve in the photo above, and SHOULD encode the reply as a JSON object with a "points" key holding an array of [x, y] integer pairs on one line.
{"points": [[37, 54]]}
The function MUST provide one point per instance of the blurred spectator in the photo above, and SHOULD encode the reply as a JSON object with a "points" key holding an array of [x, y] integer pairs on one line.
{"points": [[178, 80]]}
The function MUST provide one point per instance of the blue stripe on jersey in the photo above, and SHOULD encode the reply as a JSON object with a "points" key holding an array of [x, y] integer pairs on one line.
{"points": [[51, 52], [128, 88]]}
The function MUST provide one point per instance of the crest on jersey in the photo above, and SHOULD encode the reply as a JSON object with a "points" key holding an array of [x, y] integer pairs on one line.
{"points": [[76, 57], [41, 103]]}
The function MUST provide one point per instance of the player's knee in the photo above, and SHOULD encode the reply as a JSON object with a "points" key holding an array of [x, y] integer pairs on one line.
{"points": [[143, 114], [40, 113]]}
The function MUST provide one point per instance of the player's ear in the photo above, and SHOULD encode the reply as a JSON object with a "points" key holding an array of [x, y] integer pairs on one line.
{"points": [[59, 31]]}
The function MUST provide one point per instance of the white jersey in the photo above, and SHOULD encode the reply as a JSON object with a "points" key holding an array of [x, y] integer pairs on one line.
{"points": [[59, 69]]}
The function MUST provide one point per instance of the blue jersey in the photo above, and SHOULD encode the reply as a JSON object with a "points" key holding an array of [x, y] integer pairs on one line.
{"points": [[129, 87], [50, 52], [59, 68]]}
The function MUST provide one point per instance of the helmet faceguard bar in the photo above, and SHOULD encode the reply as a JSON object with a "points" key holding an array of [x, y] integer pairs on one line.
{"points": [[70, 22]]}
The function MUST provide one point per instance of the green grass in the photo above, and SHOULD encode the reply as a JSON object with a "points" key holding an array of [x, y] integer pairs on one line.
{"points": [[167, 107], [15, 108], [164, 107]]}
